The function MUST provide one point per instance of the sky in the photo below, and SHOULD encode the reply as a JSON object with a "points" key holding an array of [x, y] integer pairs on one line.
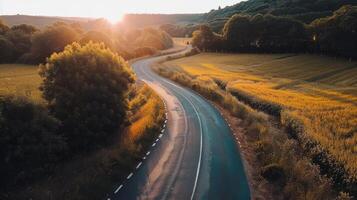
{"points": [[110, 9]]}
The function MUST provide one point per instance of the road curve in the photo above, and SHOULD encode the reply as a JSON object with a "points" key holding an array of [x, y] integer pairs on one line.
{"points": [[195, 157]]}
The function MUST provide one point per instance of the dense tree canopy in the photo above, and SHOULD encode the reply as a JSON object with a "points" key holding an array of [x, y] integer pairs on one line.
{"points": [[266, 33], [28, 141], [337, 34], [3, 28], [51, 40], [20, 36], [6, 50], [150, 37], [86, 87], [25, 44], [205, 39], [334, 35], [97, 37], [179, 31]]}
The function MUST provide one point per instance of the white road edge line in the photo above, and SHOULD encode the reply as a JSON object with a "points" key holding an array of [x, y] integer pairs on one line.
{"points": [[129, 176], [117, 190], [200, 124]]}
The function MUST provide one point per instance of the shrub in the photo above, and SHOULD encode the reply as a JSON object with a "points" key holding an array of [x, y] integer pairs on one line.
{"points": [[144, 51], [29, 140], [273, 173], [86, 89]]}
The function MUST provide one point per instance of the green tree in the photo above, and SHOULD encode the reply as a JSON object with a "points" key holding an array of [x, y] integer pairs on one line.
{"points": [[6, 50], [337, 34], [29, 143], [86, 89], [3, 28], [205, 39], [53, 39], [20, 36], [97, 37], [238, 32]]}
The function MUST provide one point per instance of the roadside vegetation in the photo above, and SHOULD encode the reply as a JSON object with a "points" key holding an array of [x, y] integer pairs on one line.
{"points": [[312, 97], [94, 174], [78, 109]]}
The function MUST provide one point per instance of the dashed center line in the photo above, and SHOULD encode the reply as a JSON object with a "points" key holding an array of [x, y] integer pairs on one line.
{"points": [[157, 140], [129, 176], [148, 153], [154, 144], [162, 130], [160, 135], [137, 166], [117, 190]]}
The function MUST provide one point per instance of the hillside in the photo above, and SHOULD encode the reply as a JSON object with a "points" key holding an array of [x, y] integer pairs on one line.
{"points": [[40, 21], [303, 10], [142, 20]]}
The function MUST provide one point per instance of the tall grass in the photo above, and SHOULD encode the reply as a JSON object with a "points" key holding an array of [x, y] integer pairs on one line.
{"points": [[313, 97], [300, 180]]}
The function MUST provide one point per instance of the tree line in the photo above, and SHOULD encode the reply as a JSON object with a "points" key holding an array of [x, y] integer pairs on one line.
{"points": [[26, 44], [334, 35]]}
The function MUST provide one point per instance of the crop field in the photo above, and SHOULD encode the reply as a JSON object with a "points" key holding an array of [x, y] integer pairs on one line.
{"points": [[320, 92], [20, 80]]}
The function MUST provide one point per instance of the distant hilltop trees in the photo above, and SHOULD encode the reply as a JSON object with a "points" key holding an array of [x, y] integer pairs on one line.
{"points": [[332, 35], [27, 44]]}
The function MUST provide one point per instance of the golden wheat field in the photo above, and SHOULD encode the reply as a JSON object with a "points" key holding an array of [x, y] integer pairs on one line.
{"points": [[20, 80], [319, 91]]}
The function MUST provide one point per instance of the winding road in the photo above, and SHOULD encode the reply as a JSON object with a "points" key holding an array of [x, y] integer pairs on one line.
{"points": [[195, 157]]}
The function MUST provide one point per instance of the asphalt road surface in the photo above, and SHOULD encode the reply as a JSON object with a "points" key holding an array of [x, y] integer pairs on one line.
{"points": [[195, 157]]}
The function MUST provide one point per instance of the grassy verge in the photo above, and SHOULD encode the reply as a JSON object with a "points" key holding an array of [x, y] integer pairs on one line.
{"points": [[283, 160]]}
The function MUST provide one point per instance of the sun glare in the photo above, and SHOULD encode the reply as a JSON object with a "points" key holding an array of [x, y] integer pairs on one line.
{"points": [[114, 18]]}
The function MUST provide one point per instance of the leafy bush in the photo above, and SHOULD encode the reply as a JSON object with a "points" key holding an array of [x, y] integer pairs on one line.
{"points": [[86, 89], [144, 51], [273, 173]]}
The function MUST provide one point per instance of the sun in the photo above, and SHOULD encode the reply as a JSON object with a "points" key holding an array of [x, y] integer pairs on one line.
{"points": [[114, 18]]}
